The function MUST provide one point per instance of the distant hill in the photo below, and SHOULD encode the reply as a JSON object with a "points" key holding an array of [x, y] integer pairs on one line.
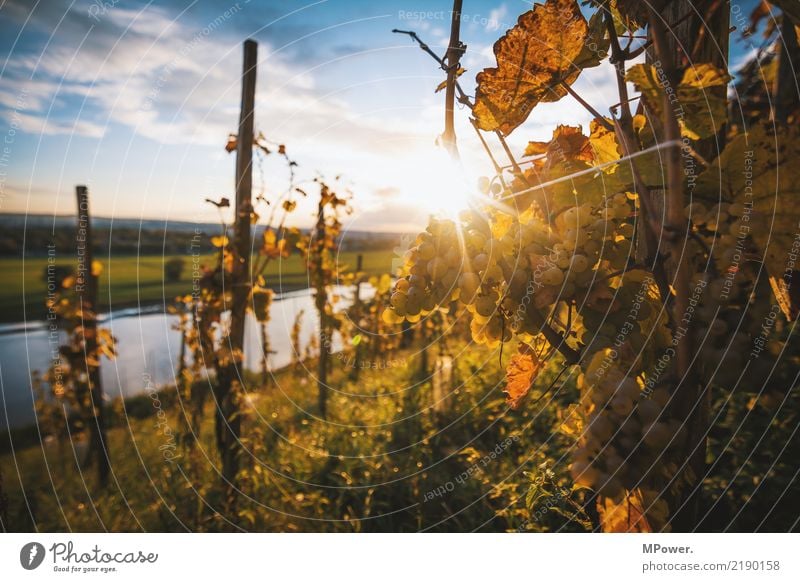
{"points": [[30, 235]]}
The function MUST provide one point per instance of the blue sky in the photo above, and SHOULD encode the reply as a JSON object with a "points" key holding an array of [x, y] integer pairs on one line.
{"points": [[136, 100]]}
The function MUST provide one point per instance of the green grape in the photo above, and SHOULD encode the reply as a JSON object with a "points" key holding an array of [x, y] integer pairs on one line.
{"points": [[626, 229], [437, 267], [398, 299], [736, 209], [485, 305], [468, 283], [390, 317], [450, 278], [552, 276], [426, 251], [493, 273], [413, 306], [480, 261], [657, 435], [601, 427], [622, 405], [648, 411], [579, 263]]}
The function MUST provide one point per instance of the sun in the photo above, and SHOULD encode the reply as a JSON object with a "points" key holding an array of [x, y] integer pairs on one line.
{"points": [[441, 184]]}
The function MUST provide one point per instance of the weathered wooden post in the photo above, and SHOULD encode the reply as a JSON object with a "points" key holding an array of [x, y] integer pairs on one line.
{"points": [[228, 389], [86, 289], [320, 302]]}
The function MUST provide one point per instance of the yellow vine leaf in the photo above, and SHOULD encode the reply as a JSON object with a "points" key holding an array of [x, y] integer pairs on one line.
{"points": [[571, 421], [629, 15], [603, 144], [548, 46], [97, 268], [626, 516], [569, 145], [520, 374], [231, 144], [536, 148], [699, 100], [443, 84], [219, 241]]}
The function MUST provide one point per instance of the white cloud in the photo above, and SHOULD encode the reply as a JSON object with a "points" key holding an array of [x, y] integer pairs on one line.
{"points": [[497, 18]]}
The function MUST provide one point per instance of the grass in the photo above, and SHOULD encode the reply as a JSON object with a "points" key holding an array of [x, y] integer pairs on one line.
{"points": [[133, 281], [371, 467]]}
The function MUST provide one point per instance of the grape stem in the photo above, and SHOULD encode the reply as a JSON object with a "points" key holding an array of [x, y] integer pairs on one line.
{"points": [[633, 267], [462, 96], [554, 338]]}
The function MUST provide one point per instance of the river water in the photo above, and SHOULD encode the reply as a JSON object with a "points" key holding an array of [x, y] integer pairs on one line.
{"points": [[148, 349]]}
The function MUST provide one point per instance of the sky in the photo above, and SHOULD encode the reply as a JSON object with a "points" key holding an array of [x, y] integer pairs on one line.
{"points": [[137, 99]]}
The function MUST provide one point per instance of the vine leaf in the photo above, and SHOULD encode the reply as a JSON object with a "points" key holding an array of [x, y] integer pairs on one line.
{"points": [[219, 241], [548, 47], [627, 516], [604, 144], [231, 144], [261, 302], [568, 144], [520, 375], [699, 101]]}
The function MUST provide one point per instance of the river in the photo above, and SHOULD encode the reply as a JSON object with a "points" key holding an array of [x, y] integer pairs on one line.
{"points": [[148, 349]]}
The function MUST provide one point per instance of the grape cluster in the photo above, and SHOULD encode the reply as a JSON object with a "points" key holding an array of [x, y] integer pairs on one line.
{"points": [[627, 432], [511, 272], [501, 270], [728, 320]]}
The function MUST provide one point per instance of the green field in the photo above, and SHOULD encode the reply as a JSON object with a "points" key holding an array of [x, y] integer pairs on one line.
{"points": [[132, 281]]}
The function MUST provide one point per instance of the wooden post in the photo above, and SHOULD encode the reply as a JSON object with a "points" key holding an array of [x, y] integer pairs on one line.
{"points": [[182, 323], [357, 312], [320, 302], [359, 279], [86, 289], [454, 51], [228, 390]]}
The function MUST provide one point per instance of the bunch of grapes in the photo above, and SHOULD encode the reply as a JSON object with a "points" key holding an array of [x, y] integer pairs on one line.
{"points": [[500, 271], [728, 320], [512, 273], [627, 432]]}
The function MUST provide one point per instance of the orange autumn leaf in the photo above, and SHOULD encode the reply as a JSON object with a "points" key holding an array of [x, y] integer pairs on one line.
{"points": [[569, 144], [536, 148], [626, 516], [520, 374], [232, 143], [543, 51]]}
